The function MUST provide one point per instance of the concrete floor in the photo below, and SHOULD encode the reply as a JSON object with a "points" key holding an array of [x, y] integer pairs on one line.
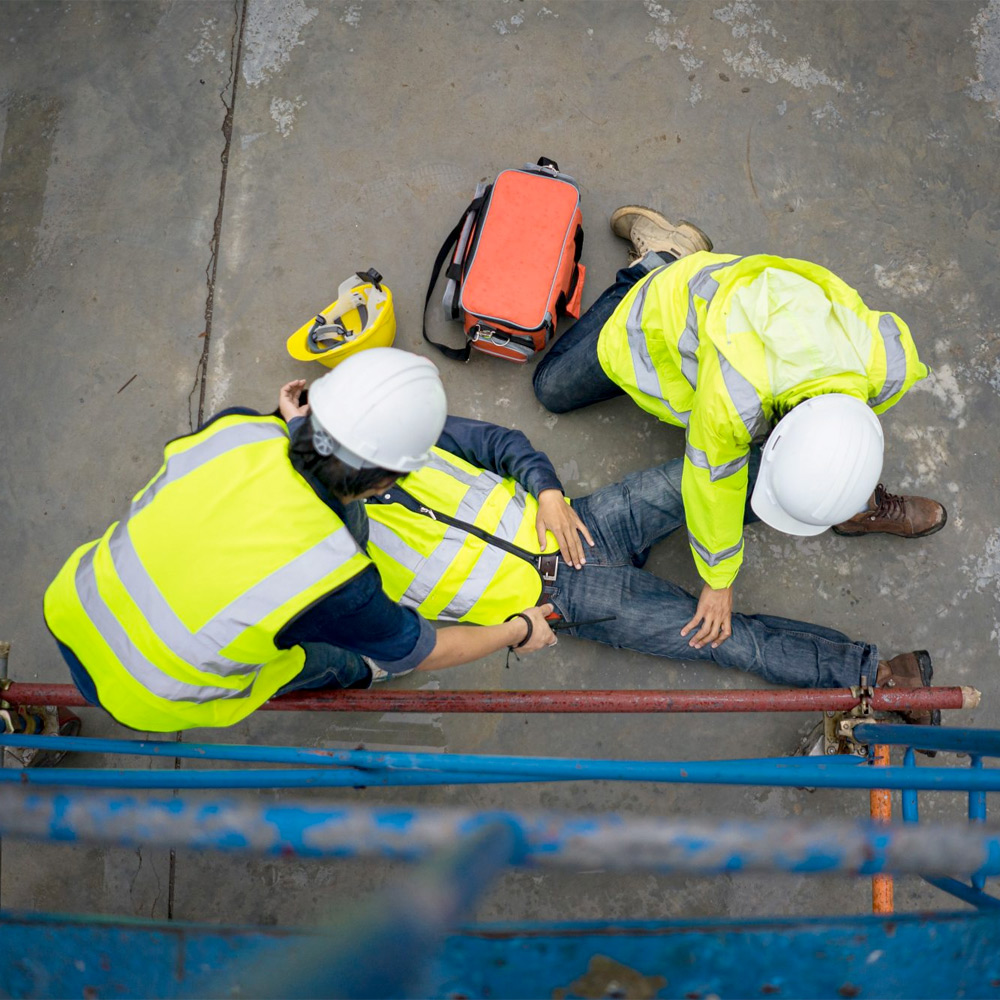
{"points": [[155, 258]]}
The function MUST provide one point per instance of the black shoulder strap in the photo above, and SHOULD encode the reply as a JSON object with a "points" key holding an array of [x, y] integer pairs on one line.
{"points": [[398, 495], [455, 353]]}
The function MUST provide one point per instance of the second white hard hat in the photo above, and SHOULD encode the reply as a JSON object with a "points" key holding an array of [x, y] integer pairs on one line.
{"points": [[382, 408], [819, 466]]}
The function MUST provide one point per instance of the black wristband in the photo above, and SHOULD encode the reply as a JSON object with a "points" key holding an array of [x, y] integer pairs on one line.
{"points": [[531, 628]]}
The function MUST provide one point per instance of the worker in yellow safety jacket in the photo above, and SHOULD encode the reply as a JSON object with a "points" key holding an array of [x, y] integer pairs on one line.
{"points": [[739, 351], [239, 571]]}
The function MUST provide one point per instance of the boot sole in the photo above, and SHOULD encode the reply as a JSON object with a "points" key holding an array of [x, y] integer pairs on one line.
{"points": [[925, 665], [837, 530], [926, 676], [619, 228]]}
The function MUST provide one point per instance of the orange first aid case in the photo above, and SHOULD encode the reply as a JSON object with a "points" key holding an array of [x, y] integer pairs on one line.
{"points": [[515, 268]]}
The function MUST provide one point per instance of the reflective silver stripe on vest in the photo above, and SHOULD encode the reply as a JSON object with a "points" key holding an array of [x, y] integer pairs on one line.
{"points": [[895, 359], [392, 545], [162, 619], [433, 568], [462, 475], [488, 563], [180, 464], [704, 286], [201, 649], [430, 570], [715, 472], [144, 672], [744, 397], [646, 379], [306, 570], [713, 558], [642, 363]]}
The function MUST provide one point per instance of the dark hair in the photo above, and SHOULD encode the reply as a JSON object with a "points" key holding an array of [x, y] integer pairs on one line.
{"points": [[332, 474]]}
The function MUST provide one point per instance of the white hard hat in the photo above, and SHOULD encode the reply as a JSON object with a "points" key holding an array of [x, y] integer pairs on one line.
{"points": [[381, 408], [819, 466]]}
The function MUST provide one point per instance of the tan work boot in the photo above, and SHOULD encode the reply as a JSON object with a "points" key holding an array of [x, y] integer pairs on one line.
{"points": [[910, 670], [648, 229], [907, 517]]}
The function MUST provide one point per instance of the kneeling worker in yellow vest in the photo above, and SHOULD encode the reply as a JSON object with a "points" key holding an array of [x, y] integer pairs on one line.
{"points": [[733, 349], [483, 528], [239, 570]]}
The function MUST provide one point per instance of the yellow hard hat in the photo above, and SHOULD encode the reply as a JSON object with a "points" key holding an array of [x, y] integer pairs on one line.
{"points": [[361, 317]]}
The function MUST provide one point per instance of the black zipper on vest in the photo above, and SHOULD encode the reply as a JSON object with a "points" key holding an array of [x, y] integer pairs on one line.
{"points": [[398, 495]]}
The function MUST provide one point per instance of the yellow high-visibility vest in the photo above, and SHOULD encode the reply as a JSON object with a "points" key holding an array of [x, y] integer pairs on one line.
{"points": [[174, 611], [723, 346], [443, 572]]}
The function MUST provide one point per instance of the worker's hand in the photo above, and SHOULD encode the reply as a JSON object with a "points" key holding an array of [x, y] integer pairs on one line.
{"points": [[288, 400], [541, 634], [715, 613], [557, 516]]}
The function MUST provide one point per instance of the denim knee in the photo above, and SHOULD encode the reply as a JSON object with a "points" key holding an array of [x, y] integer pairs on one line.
{"points": [[547, 390]]}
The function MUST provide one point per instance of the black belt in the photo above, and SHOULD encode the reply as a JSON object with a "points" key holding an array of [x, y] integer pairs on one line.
{"points": [[548, 566]]}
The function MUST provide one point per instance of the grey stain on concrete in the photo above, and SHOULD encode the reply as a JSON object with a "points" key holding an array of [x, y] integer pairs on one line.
{"points": [[986, 34], [28, 140], [273, 30]]}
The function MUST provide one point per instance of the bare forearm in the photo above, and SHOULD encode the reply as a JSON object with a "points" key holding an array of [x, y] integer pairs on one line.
{"points": [[460, 644]]}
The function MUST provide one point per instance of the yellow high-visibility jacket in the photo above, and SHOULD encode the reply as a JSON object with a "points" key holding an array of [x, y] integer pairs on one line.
{"points": [[174, 611], [723, 346], [444, 572]]}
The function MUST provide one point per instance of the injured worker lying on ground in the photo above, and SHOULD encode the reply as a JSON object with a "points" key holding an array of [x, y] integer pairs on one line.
{"points": [[483, 530]]}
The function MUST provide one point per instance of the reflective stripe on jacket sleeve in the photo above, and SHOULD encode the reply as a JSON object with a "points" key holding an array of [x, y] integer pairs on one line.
{"points": [[714, 513], [903, 367], [714, 489]]}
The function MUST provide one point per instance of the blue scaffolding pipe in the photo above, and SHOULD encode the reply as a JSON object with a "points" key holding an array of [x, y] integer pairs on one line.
{"points": [[984, 742], [169, 748], [400, 928], [977, 800], [211, 779], [608, 842], [971, 894], [911, 804], [362, 768]]}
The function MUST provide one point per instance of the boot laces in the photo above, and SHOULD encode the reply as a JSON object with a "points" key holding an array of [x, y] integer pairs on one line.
{"points": [[889, 505], [640, 245]]}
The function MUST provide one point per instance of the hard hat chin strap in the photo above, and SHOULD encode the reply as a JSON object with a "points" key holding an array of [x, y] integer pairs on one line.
{"points": [[350, 296]]}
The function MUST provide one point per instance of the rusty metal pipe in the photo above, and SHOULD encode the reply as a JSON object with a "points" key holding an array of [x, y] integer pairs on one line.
{"points": [[620, 701]]}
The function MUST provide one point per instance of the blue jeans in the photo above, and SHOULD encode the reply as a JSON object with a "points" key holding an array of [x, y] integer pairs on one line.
{"points": [[329, 666], [626, 520], [570, 376]]}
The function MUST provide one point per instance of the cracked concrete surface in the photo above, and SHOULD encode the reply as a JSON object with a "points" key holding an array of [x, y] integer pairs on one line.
{"points": [[146, 243]]}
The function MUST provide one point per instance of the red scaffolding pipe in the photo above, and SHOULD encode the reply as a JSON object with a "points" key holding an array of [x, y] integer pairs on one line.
{"points": [[380, 699]]}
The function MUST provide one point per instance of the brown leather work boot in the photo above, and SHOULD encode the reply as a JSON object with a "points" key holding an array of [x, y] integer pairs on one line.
{"points": [[908, 517], [648, 229], [910, 670]]}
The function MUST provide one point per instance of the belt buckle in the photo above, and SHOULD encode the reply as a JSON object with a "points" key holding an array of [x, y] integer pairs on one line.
{"points": [[544, 562]]}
